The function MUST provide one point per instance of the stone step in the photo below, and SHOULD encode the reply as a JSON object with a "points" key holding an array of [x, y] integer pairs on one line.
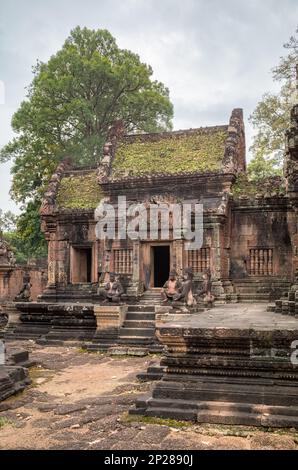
{"points": [[136, 332], [135, 340], [152, 373], [172, 413], [140, 308], [232, 392], [139, 324], [140, 316], [219, 412], [253, 297]]}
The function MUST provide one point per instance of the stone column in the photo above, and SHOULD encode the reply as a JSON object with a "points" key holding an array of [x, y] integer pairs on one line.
{"points": [[61, 256], [52, 261], [178, 253], [217, 252], [135, 288]]}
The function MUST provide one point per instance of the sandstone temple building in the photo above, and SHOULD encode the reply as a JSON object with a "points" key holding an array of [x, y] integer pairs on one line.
{"points": [[249, 235]]}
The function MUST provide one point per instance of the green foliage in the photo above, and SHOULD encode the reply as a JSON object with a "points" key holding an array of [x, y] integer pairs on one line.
{"points": [[27, 241], [177, 153], [73, 100], [286, 69], [247, 186], [271, 117], [79, 192], [71, 103], [7, 221], [260, 168]]}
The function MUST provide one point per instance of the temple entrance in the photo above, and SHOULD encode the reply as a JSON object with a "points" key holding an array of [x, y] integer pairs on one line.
{"points": [[81, 265], [161, 264]]}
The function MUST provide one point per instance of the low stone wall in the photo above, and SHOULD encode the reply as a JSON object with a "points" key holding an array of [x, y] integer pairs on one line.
{"points": [[12, 282], [47, 321]]}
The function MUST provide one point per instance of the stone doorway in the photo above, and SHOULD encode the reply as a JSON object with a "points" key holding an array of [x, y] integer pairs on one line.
{"points": [[81, 265], [160, 256]]}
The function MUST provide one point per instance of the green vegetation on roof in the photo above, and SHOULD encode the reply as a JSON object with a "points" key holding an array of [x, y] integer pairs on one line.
{"points": [[267, 187], [79, 192], [197, 151]]}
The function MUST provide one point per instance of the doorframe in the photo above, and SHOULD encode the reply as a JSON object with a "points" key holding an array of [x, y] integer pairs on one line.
{"points": [[152, 245], [73, 247]]}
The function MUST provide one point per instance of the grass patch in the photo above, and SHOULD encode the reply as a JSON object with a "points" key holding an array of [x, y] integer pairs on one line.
{"points": [[171, 423], [4, 422]]}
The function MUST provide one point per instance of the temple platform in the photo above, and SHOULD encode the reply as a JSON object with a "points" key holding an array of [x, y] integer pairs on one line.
{"points": [[234, 364]]}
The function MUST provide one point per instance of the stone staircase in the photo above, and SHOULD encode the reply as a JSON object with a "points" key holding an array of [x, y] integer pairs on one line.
{"points": [[151, 297], [137, 334], [139, 325]]}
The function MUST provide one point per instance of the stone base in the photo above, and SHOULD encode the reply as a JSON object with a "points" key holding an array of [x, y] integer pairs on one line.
{"points": [[109, 319], [14, 375], [230, 374], [13, 379], [41, 320]]}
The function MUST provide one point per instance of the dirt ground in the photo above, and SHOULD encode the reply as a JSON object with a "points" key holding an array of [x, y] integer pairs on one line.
{"points": [[80, 400]]}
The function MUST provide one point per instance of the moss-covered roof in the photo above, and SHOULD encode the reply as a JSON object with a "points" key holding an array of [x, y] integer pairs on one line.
{"points": [[196, 150], [79, 191]]}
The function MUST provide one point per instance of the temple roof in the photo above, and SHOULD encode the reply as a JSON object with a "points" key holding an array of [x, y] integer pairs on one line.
{"points": [[194, 150], [79, 190], [128, 159]]}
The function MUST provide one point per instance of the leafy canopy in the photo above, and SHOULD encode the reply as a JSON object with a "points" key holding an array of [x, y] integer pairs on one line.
{"points": [[71, 103], [271, 117], [73, 100]]}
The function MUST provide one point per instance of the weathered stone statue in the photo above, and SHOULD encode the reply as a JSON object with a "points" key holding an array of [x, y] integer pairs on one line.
{"points": [[171, 289], [205, 291], [186, 292], [113, 289], [25, 292]]}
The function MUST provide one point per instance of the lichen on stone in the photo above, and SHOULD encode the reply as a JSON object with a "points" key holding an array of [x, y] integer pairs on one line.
{"points": [[200, 150], [79, 191]]}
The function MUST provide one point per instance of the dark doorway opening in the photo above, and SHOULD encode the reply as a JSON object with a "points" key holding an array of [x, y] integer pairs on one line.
{"points": [[82, 265], [161, 264]]}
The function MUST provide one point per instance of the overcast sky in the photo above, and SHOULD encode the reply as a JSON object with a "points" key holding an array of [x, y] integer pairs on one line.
{"points": [[213, 55]]}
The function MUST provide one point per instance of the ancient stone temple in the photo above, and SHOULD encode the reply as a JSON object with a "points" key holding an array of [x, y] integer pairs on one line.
{"points": [[247, 245], [248, 249]]}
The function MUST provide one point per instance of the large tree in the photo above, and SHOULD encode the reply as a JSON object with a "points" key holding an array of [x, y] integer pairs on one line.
{"points": [[271, 117], [72, 101]]}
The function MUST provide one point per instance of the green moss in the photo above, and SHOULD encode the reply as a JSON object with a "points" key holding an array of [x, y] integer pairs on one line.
{"points": [[173, 423], [269, 187], [79, 192], [198, 151]]}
